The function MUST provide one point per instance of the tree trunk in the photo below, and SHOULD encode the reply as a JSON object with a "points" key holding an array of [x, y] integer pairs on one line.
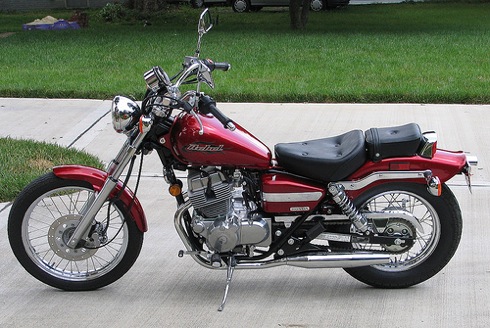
{"points": [[298, 12]]}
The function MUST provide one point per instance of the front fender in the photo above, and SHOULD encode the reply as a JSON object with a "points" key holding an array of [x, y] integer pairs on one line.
{"points": [[97, 179]]}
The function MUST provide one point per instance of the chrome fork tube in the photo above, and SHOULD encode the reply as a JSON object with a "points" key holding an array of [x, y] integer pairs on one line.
{"points": [[114, 171]]}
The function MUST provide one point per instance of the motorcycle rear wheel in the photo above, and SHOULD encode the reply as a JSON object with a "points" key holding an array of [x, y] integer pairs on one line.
{"points": [[433, 248], [44, 216]]}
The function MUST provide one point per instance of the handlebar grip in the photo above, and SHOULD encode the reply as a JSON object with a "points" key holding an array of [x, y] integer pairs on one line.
{"points": [[223, 66], [208, 106]]}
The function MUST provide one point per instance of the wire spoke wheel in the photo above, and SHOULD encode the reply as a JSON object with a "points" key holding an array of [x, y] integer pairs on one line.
{"points": [[42, 221], [49, 224], [435, 226], [425, 239]]}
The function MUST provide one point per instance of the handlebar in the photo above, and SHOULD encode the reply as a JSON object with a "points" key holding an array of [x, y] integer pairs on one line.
{"points": [[222, 66], [208, 106]]}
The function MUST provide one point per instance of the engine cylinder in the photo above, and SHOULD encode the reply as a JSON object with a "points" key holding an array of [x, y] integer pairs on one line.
{"points": [[209, 192], [222, 216]]}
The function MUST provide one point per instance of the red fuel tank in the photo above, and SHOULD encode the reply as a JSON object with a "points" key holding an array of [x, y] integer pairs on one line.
{"points": [[217, 146]]}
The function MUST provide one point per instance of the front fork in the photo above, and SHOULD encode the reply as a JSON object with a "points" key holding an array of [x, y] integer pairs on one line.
{"points": [[115, 169]]}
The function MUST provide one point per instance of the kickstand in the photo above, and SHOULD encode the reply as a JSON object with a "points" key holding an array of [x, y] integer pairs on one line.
{"points": [[229, 276]]}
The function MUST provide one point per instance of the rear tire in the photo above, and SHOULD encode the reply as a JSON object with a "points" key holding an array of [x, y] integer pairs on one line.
{"points": [[441, 220], [42, 219]]}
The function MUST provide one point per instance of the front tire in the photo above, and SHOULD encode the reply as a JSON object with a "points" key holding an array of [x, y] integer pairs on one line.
{"points": [[440, 218], [41, 221]]}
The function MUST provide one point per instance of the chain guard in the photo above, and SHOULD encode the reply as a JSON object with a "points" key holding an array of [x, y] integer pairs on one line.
{"points": [[397, 237]]}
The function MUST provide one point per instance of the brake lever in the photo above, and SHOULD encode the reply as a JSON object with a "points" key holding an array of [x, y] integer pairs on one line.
{"points": [[201, 127]]}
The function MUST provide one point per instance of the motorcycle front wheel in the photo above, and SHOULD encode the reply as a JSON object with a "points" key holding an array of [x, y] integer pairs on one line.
{"points": [[42, 220], [435, 238]]}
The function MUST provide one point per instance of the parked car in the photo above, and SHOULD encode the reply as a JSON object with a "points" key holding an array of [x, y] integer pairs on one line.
{"points": [[241, 6]]}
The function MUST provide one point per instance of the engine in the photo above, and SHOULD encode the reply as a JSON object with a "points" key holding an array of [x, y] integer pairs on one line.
{"points": [[223, 214]]}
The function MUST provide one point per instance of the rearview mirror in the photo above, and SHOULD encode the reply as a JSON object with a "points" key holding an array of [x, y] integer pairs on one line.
{"points": [[203, 27], [205, 23]]}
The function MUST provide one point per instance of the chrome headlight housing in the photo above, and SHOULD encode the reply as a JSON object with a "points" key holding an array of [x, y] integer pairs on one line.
{"points": [[125, 113]]}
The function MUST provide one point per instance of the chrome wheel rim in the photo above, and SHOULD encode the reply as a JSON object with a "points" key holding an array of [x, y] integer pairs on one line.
{"points": [[51, 219], [240, 5], [426, 239], [316, 5]]}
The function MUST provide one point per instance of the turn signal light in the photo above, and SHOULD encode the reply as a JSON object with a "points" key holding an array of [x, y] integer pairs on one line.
{"points": [[434, 186], [175, 190]]}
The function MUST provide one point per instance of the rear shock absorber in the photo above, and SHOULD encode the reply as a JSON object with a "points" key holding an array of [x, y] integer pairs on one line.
{"points": [[340, 197]]}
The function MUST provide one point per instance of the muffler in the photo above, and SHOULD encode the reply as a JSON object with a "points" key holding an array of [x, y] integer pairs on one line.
{"points": [[328, 260], [347, 260]]}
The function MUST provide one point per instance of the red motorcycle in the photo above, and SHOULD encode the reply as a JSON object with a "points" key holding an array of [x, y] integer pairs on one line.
{"points": [[373, 202]]}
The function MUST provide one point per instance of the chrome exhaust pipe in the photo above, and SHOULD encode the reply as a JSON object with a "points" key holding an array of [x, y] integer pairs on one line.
{"points": [[339, 260], [330, 260]]}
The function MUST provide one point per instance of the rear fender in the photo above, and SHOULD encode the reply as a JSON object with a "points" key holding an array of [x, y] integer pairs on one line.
{"points": [[97, 179], [444, 165]]}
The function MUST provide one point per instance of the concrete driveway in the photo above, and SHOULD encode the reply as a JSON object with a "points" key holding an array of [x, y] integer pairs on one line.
{"points": [[162, 290]]}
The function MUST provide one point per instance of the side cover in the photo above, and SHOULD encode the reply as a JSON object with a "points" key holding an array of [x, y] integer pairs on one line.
{"points": [[283, 193], [97, 178]]}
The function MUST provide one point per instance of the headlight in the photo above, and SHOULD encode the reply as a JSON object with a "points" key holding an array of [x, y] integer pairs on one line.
{"points": [[125, 113]]}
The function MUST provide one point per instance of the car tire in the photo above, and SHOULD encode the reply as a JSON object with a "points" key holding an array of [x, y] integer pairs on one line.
{"points": [[317, 5], [241, 6]]}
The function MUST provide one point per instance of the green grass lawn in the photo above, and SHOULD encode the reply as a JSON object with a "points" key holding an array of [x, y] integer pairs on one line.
{"points": [[21, 161], [411, 52]]}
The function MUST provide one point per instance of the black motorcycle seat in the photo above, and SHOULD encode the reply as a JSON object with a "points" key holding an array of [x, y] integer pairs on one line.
{"points": [[327, 159], [396, 141]]}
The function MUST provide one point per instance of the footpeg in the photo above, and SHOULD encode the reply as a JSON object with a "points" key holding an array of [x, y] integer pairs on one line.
{"points": [[216, 261]]}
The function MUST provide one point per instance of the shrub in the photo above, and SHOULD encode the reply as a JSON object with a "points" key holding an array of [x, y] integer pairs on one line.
{"points": [[113, 12]]}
